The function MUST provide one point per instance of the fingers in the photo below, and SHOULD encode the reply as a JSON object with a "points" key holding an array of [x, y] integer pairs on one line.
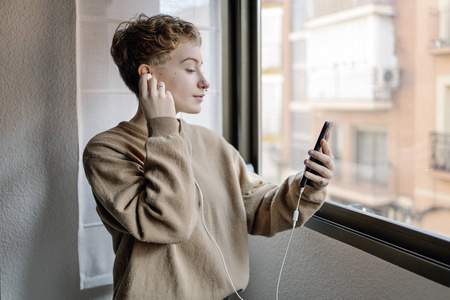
{"points": [[326, 149], [147, 86], [161, 89], [317, 180], [143, 86], [153, 90], [169, 95], [326, 156], [161, 86], [154, 100], [326, 170], [323, 171]]}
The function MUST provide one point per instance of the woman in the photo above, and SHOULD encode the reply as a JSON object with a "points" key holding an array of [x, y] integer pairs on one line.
{"points": [[178, 199]]}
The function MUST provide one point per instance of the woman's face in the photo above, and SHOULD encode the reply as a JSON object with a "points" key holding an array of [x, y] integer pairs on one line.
{"points": [[183, 77]]}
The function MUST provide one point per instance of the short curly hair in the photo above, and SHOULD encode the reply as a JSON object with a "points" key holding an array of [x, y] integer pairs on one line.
{"points": [[148, 40]]}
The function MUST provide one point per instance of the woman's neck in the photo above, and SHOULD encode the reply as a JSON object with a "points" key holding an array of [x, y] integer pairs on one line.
{"points": [[139, 118]]}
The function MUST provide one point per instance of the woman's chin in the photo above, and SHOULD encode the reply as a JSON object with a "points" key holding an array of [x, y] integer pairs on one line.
{"points": [[191, 111]]}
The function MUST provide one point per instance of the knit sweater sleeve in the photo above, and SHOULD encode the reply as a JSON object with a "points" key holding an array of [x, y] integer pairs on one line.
{"points": [[270, 207], [153, 200]]}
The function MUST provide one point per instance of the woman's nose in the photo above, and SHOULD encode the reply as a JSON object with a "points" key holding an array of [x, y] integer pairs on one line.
{"points": [[203, 83]]}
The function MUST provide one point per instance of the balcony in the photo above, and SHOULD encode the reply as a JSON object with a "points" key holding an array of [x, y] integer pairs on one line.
{"points": [[440, 152], [440, 31], [324, 7], [350, 88], [350, 59], [368, 185]]}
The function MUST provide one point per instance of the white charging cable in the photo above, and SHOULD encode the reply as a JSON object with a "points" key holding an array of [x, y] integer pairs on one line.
{"points": [[294, 218], [203, 214]]}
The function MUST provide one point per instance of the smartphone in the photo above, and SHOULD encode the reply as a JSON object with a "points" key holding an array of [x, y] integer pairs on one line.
{"points": [[324, 134]]}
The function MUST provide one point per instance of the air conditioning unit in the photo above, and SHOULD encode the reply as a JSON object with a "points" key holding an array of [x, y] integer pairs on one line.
{"points": [[386, 78]]}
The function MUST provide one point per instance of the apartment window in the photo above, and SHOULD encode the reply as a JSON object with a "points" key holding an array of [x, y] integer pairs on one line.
{"points": [[298, 70], [271, 50], [440, 24], [350, 62], [104, 100], [371, 158], [299, 138], [337, 146]]}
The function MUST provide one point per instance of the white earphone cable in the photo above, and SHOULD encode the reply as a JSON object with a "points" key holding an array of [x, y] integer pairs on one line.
{"points": [[294, 218], [203, 215]]}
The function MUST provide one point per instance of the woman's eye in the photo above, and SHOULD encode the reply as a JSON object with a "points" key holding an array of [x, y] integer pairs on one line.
{"points": [[190, 70]]}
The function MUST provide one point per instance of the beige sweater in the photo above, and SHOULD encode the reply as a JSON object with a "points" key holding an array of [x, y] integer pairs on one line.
{"points": [[143, 183]]}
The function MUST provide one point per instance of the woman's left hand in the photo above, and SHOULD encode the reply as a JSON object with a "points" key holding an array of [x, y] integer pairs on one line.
{"points": [[325, 171]]}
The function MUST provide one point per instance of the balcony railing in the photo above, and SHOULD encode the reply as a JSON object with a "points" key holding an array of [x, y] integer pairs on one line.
{"points": [[371, 179], [440, 27], [440, 151], [350, 83], [324, 7]]}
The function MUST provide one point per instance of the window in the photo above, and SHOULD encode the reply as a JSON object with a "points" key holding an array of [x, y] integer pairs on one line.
{"points": [[354, 62], [371, 168], [104, 100], [441, 22]]}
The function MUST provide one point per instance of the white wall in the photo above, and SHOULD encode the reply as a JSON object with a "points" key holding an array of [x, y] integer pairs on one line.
{"points": [[38, 193], [38, 146], [359, 46]]}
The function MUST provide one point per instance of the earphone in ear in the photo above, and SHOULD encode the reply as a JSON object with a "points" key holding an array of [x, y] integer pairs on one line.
{"points": [[149, 76]]}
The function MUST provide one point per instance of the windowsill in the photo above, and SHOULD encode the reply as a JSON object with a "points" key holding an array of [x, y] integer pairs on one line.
{"points": [[372, 200], [413, 249], [339, 105], [349, 13], [440, 51], [440, 174]]}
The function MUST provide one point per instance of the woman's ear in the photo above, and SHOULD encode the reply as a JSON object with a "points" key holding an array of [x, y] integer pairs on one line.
{"points": [[144, 68]]}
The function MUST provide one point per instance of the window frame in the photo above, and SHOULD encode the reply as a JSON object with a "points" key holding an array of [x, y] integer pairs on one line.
{"points": [[242, 77], [421, 252]]}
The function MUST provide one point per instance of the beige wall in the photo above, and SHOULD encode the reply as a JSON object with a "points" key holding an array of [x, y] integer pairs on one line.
{"points": [[402, 121], [431, 188]]}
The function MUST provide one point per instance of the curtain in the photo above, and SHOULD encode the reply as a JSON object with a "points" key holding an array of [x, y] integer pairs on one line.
{"points": [[103, 101]]}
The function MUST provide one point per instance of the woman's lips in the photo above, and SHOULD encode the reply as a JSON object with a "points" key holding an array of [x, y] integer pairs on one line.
{"points": [[199, 97]]}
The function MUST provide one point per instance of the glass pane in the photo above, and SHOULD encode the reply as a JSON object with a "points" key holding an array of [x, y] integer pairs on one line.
{"points": [[203, 13], [97, 68], [385, 87], [117, 9]]}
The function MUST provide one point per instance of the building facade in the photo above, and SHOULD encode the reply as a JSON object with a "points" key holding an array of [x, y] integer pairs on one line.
{"points": [[379, 69]]}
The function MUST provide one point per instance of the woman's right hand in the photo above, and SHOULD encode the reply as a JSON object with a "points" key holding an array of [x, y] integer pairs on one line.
{"points": [[154, 100]]}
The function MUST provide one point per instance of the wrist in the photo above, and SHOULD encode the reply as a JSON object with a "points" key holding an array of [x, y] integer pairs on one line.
{"points": [[162, 126]]}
